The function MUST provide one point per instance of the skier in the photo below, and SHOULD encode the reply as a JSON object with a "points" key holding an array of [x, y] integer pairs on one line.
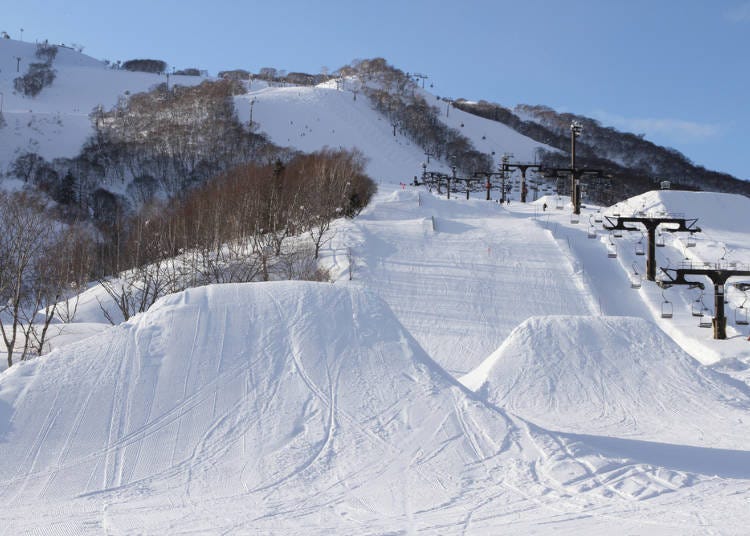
{"points": [[544, 207]]}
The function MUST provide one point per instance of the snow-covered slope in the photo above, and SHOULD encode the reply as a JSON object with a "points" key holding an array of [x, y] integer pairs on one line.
{"points": [[306, 408], [260, 397], [461, 287], [310, 118], [613, 375], [335, 409], [56, 122]]}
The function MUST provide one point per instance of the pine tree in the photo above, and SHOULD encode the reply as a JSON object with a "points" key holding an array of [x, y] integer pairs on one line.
{"points": [[65, 194]]}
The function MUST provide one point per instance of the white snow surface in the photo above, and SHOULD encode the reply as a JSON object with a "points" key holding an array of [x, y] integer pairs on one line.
{"points": [[56, 122], [598, 374], [301, 407], [488, 369]]}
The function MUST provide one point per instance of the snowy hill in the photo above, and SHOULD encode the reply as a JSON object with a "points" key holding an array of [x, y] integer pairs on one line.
{"points": [[473, 368], [56, 122], [593, 375], [285, 395], [298, 407]]}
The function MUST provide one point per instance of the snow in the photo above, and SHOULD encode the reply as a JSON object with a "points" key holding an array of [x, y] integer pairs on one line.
{"points": [[580, 374], [55, 123], [488, 369], [307, 407]]}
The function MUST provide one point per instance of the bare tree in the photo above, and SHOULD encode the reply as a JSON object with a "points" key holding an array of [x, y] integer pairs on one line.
{"points": [[23, 243]]}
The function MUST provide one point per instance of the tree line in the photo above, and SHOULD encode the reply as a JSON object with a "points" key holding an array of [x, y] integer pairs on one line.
{"points": [[393, 93], [253, 222]]}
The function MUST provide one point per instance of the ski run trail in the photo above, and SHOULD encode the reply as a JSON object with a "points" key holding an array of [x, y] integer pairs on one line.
{"points": [[473, 368], [464, 381]]}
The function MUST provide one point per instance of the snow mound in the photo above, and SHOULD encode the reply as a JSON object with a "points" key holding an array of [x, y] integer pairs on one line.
{"points": [[267, 395], [715, 211], [617, 376]]}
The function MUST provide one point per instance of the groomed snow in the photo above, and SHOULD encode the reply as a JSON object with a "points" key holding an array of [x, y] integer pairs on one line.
{"points": [[488, 369], [612, 375], [301, 407]]}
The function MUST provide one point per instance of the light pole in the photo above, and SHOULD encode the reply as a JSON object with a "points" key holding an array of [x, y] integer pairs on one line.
{"points": [[21, 34], [575, 130]]}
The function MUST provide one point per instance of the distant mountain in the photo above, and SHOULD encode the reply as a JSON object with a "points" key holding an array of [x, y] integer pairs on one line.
{"points": [[636, 163]]}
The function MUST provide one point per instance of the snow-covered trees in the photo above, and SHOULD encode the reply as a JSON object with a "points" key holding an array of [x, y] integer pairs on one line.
{"points": [[40, 74], [251, 223], [145, 65], [180, 136]]}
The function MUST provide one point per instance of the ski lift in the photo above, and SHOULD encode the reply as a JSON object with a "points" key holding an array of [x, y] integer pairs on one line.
{"points": [[690, 241], [696, 309], [635, 278], [598, 216], [574, 218], [667, 309], [660, 240], [611, 249], [592, 232], [740, 314], [705, 319], [639, 247], [559, 203]]}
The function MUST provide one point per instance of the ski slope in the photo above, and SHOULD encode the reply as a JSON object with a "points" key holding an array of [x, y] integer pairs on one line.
{"points": [[303, 407], [487, 369], [56, 122], [310, 118]]}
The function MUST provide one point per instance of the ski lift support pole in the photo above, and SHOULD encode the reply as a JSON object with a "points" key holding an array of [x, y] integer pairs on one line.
{"points": [[488, 175], [576, 176], [523, 168], [618, 223], [719, 273]]}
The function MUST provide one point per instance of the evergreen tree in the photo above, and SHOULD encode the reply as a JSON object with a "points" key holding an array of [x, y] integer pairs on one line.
{"points": [[65, 194]]}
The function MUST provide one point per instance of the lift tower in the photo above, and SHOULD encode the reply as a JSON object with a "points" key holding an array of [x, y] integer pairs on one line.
{"points": [[618, 223], [718, 273], [523, 168]]}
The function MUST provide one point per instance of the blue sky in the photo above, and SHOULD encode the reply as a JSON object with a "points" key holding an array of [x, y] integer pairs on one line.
{"points": [[677, 71]]}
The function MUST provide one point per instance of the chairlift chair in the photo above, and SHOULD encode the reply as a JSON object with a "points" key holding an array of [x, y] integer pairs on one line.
{"points": [[705, 319], [740, 314], [598, 217], [574, 218], [667, 309], [559, 203], [592, 232], [611, 249], [635, 277], [660, 240], [690, 241], [639, 247], [696, 309]]}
